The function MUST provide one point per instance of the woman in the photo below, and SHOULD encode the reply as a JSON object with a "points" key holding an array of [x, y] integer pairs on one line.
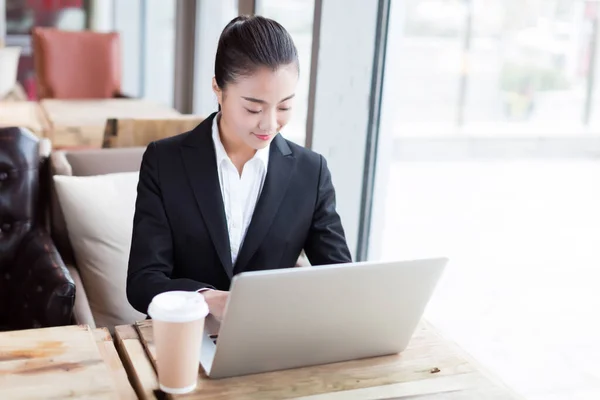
{"points": [[233, 195]]}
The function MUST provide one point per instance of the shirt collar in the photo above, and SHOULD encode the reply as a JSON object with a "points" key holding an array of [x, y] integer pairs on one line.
{"points": [[262, 154]]}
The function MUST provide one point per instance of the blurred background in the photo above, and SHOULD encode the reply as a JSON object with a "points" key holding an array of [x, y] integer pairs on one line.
{"points": [[460, 128]]}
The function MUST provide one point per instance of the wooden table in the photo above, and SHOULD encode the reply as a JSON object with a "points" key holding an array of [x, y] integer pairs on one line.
{"points": [[63, 362], [25, 114], [81, 123], [430, 368], [133, 132]]}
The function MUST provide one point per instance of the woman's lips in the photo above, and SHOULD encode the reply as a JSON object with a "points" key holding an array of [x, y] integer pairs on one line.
{"points": [[263, 137]]}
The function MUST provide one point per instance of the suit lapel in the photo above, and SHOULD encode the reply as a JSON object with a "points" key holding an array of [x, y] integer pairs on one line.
{"points": [[280, 169], [201, 166]]}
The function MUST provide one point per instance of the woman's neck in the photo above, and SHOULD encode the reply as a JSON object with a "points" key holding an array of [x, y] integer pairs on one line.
{"points": [[238, 151]]}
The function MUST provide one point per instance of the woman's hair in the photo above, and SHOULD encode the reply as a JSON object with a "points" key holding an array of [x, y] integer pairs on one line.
{"points": [[250, 42]]}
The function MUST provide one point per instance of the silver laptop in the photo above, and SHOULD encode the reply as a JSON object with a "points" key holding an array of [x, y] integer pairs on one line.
{"points": [[289, 318]]}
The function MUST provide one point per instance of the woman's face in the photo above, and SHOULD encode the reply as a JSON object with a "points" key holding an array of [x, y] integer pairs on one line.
{"points": [[256, 107]]}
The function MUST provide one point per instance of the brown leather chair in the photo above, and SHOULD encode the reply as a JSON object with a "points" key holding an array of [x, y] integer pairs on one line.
{"points": [[76, 64], [36, 290]]}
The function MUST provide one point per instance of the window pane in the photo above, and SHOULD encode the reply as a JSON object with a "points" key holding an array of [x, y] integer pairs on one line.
{"points": [[473, 170], [212, 17], [528, 67], [297, 17], [159, 44], [423, 62], [501, 67], [591, 15]]}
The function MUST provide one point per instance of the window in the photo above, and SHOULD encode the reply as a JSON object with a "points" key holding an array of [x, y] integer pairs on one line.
{"points": [[528, 68], [159, 48], [468, 95], [492, 67], [297, 17]]}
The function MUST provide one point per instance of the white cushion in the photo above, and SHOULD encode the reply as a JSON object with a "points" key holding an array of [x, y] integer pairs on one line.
{"points": [[99, 212], [9, 63]]}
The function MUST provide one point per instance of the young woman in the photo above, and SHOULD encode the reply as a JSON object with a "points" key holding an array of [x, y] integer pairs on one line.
{"points": [[233, 195]]}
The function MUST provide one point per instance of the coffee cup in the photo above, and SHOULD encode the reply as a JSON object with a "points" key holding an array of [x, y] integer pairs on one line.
{"points": [[178, 325]]}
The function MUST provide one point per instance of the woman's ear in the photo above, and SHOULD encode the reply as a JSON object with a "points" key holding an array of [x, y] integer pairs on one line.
{"points": [[217, 90]]}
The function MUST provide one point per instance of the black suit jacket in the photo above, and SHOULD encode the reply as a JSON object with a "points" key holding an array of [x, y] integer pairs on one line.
{"points": [[180, 239]]}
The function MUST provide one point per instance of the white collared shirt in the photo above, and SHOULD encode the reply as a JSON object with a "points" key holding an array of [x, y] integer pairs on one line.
{"points": [[240, 193]]}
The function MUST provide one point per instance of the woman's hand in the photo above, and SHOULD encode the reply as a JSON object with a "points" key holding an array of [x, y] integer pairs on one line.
{"points": [[216, 300]]}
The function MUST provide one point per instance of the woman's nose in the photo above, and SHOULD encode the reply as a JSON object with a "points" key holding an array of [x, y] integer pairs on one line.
{"points": [[269, 123]]}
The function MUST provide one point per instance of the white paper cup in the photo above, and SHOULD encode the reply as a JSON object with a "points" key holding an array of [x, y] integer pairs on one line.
{"points": [[178, 325]]}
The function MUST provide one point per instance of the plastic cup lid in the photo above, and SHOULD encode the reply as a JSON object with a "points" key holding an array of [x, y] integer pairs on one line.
{"points": [[178, 306]]}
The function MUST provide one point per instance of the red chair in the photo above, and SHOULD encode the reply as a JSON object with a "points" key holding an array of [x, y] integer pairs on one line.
{"points": [[77, 64]]}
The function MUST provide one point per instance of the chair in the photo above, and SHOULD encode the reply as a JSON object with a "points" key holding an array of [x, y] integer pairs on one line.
{"points": [[36, 290], [133, 132], [76, 64]]}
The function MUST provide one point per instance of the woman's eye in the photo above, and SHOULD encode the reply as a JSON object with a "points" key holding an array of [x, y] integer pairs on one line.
{"points": [[252, 111], [285, 109]]}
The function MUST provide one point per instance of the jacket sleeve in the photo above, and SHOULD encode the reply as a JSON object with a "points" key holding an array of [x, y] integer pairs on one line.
{"points": [[151, 255], [326, 242]]}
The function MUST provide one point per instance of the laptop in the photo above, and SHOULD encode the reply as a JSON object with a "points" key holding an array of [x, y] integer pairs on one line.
{"points": [[297, 317]]}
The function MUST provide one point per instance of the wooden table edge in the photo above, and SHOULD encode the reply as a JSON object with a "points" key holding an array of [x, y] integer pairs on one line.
{"points": [[39, 126], [108, 351], [131, 334], [480, 367], [44, 121], [143, 375]]}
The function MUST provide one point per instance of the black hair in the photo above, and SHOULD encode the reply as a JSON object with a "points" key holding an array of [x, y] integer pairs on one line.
{"points": [[250, 42]]}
